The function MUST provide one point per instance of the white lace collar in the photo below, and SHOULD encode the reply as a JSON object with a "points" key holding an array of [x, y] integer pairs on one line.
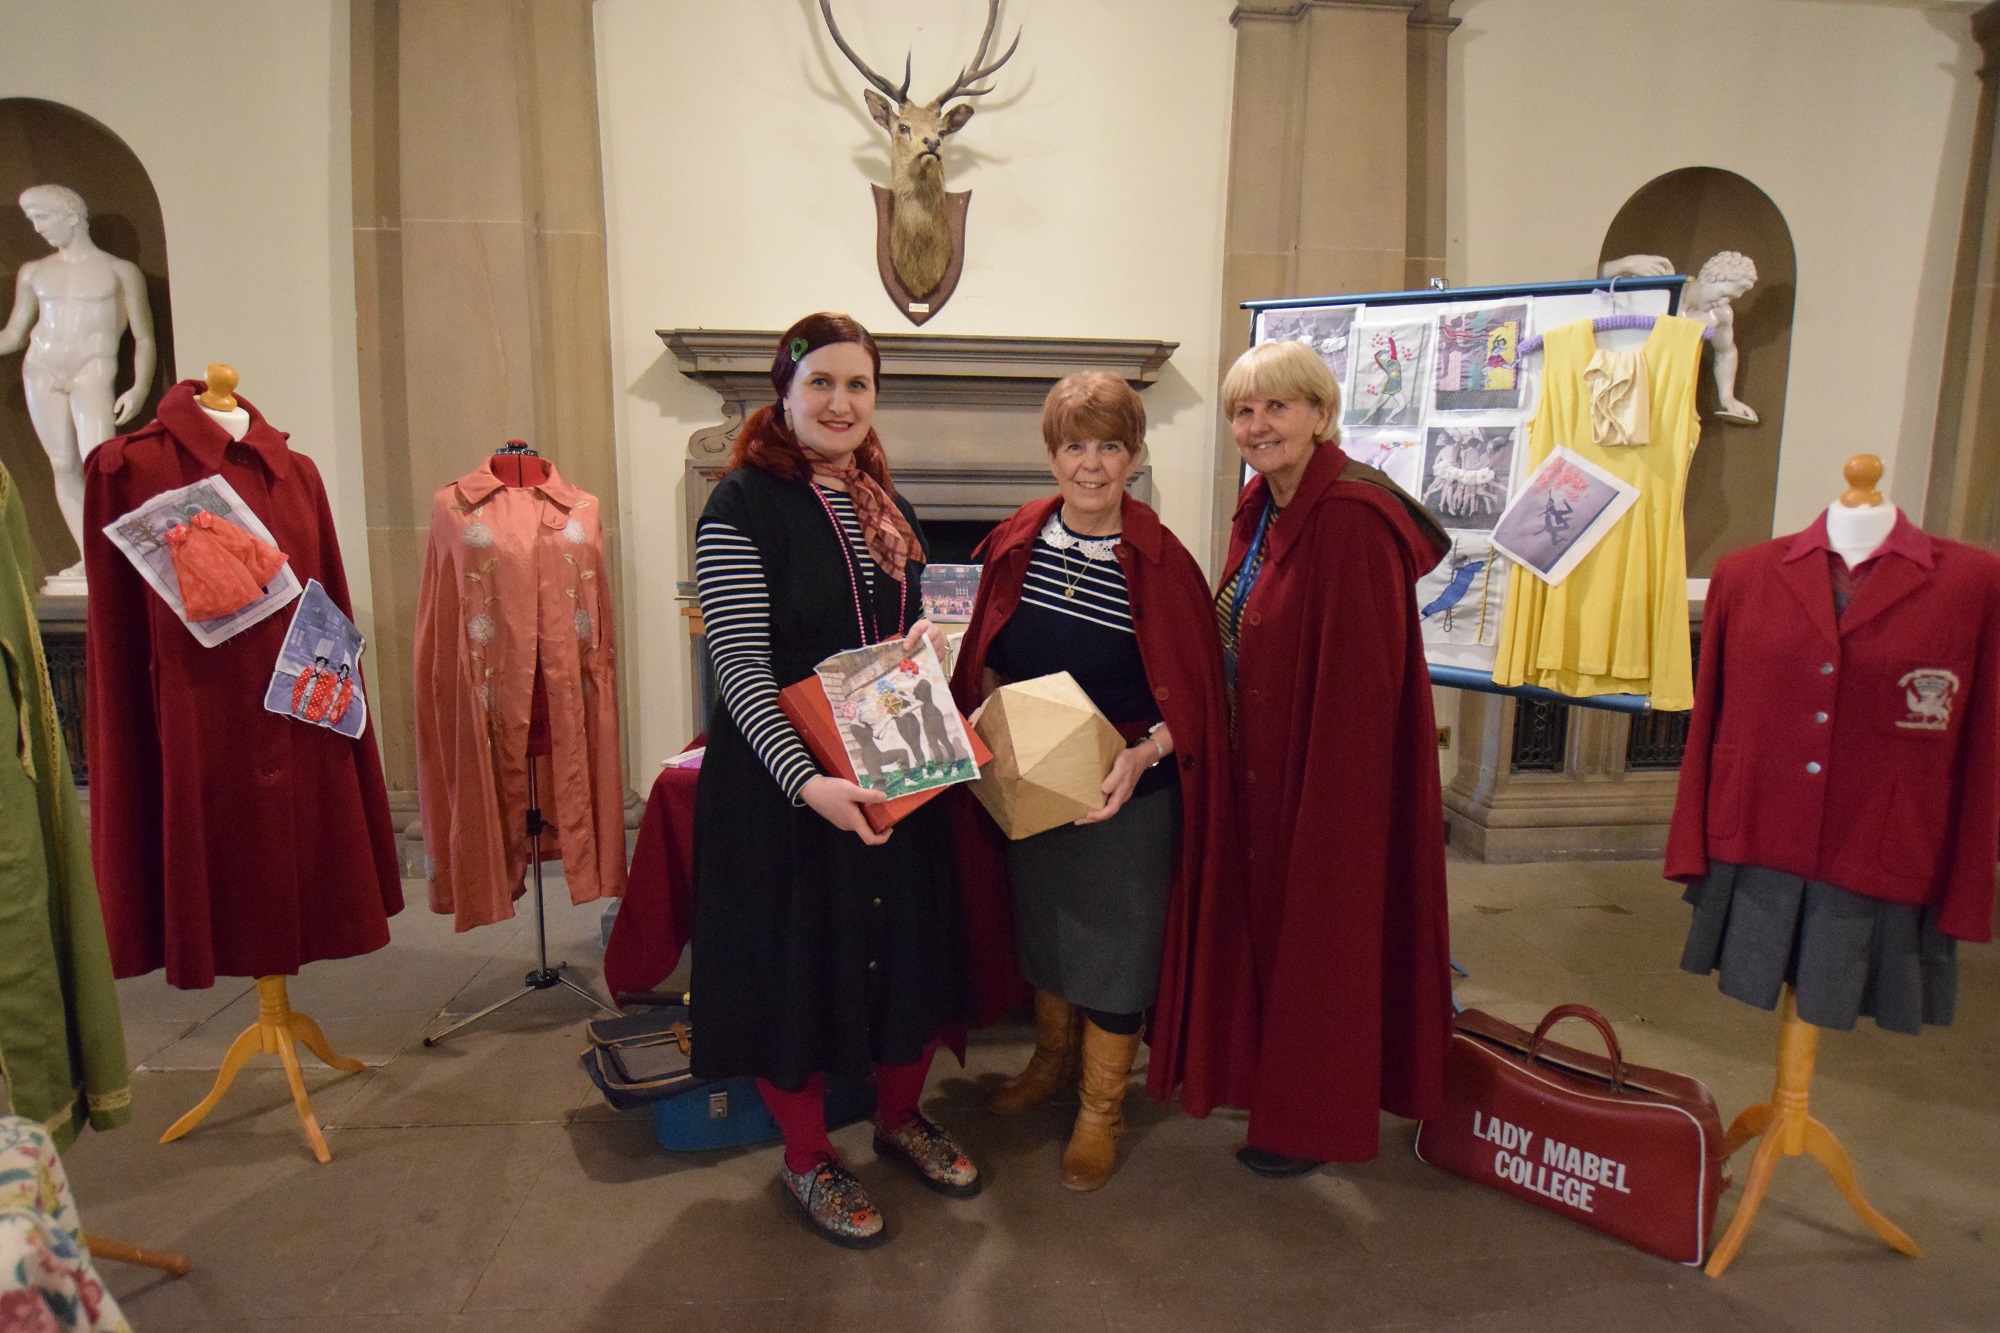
{"points": [[1104, 550]]}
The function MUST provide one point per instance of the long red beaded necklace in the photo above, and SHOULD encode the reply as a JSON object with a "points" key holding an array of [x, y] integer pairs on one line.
{"points": [[864, 620]]}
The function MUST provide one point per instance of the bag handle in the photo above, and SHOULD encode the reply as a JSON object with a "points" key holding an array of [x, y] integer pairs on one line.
{"points": [[1596, 1020]]}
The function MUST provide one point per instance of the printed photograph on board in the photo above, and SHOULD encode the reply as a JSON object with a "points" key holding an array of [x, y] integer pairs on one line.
{"points": [[1466, 473], [1477, 360], [1387, 379], [1328, 330], [1562, 512], [896, 717]]}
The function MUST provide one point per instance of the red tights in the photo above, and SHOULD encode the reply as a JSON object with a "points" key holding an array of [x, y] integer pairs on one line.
{"points": [[801, 1115]]}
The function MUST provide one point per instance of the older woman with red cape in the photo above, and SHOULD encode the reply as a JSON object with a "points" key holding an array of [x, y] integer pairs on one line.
{"points": [[1103, 916], [1337, 776]]}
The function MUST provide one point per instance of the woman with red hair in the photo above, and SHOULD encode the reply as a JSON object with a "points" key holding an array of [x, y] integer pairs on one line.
{"points": [[820, 946]]}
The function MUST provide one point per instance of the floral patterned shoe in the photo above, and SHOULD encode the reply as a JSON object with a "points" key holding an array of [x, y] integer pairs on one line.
{"points": [[934, 1155], [834, 1204]]}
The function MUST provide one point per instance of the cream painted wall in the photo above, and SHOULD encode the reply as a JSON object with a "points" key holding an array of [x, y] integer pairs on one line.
{"points": [[239, 111], [1855, 118], [737, 159]]}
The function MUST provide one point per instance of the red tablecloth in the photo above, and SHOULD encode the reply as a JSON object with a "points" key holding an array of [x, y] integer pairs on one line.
{"points": [[657, 915]]}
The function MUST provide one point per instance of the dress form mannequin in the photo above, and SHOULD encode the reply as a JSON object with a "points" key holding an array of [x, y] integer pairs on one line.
{"points": [[1862, 520], [279, 1028], [1857, 525]]}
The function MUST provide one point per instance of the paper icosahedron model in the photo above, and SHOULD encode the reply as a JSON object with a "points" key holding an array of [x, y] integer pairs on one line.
{"points": [[1051, 750]]}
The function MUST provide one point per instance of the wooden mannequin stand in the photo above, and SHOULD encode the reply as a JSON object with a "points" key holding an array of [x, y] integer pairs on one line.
{"points": [[277, 1031], [1788, 1130]]}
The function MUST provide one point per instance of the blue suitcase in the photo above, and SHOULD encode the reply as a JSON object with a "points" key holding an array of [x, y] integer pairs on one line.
{"points": [[642, 1059]]}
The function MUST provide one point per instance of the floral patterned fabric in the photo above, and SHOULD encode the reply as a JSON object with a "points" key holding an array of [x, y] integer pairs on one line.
{"points": [[47, 1284], [514, 589]]}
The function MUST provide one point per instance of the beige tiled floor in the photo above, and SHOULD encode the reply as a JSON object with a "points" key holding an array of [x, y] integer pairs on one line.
{"points": [[481, 1185]]}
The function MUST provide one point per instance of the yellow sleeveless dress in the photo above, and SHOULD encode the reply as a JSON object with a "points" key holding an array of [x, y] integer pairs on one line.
{"points": [[1618, 624]]}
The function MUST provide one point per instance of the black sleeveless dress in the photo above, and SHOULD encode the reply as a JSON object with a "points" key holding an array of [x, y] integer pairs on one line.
{"points": [[814, 952]]}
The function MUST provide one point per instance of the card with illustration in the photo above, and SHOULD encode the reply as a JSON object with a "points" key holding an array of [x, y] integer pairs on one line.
{"points": [[1566, 507], [142, 536], [1476, 365], [1400, 453], [949, 592], [1387, 377], [1327, 329], [318, 676], [896, 718], [1467, 473]]}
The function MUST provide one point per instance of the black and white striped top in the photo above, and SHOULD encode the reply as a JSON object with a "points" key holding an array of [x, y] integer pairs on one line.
{"points": [[736, 614], [1077, 576]]}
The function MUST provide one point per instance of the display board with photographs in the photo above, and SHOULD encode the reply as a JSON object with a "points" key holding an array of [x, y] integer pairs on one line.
{"points": [[1436, 394]]}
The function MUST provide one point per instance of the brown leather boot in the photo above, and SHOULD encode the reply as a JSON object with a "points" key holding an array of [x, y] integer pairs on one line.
{"points": [[1100, 1121], [1051, 1066]]}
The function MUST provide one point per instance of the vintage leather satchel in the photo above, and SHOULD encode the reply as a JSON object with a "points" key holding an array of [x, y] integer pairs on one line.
{"points": [[1629, 1151]]}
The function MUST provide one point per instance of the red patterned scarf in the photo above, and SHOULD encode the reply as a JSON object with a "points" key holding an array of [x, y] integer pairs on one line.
{"points": [[883, 528]]}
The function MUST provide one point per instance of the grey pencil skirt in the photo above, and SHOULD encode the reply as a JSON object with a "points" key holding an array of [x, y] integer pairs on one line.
{"points": [[1847, 956], [1090, 902]]}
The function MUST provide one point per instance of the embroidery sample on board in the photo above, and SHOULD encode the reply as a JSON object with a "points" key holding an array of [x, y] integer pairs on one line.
{"points": [[1328, 330], [897, 721], [1399, 453], [318, 675], [1478, 351], [1467, 474], [1388, 368]]}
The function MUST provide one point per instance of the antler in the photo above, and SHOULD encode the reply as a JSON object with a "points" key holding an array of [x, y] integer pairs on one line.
{"points": [[978, 69], [882, 85]]}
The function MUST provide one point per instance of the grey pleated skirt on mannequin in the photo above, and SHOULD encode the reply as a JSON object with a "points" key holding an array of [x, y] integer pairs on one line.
{"points": [[1090, 903], [1846, 955]]}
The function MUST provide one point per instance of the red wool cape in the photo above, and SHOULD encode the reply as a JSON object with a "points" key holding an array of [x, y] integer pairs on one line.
{"points": [[1343, 825], [1201, 1028], [228, 840]]}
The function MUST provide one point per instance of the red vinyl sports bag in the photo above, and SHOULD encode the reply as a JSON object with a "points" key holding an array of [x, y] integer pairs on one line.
{"points": [[1632, 1152]]}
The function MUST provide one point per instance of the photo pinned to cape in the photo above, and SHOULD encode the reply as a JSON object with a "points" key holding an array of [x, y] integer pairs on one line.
{"points": [[318, 676], [1563, 511], [1468, 474], [1477, 362], [142, 536], [896, 718], [949, 592], [1400, 453], [1387, 375], [1327, 329], [1459, 603]]}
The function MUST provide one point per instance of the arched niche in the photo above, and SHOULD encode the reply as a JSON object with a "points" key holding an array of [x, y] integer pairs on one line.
{"points": [[46, 143], [1688, 215]]}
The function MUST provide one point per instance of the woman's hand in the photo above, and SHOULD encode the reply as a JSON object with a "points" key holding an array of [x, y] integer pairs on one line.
{"points": [[839, 802], [1127, 769], [922, 630]]}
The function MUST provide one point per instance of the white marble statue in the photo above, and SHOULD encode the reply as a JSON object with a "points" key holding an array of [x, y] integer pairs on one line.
{"points": [[1724, 279], [71, 309]]}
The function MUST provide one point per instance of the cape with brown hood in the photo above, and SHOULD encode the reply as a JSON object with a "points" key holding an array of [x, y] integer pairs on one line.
{"points": [[1201, 1027], [1342, 819]]}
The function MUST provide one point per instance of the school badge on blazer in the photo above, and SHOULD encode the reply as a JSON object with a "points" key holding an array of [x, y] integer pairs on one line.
{"points": [[1632, 1152]]}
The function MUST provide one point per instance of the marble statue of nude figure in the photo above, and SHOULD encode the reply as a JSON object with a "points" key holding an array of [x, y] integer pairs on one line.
{"points": [[71, 308]]}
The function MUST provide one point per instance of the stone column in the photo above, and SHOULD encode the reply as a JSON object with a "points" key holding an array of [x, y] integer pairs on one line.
{"points": [[1336, 163], [483, 310], [1963, 500]]}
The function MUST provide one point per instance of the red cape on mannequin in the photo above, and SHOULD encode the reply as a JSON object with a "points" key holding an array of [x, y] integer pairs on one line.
{"points": [[1201, 1029], [1343, 826]]}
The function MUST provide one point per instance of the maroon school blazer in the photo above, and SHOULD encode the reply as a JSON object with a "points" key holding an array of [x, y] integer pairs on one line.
{"points": [[1863, 752]]}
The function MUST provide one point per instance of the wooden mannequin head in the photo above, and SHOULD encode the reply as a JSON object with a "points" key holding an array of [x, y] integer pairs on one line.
{"points": [[1862, 472], [221, 394]]}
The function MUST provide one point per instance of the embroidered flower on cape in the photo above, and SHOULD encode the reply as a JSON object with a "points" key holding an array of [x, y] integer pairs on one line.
{"points": [[478, 536], [481, 629], [584, 624], [573, 532]]}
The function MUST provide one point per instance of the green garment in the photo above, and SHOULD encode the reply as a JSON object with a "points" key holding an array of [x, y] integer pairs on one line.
{"points": [[62, 1046]]}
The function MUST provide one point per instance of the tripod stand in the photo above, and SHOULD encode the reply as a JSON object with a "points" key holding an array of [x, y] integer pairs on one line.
{"points": [[546, 976]]}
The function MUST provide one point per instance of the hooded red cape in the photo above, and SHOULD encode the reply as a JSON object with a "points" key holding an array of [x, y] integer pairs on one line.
{"points": [[1343, 826], [1201, 1029]]}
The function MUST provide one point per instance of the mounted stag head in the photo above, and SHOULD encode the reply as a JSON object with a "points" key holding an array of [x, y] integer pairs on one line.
{"points": [[920, 228]]}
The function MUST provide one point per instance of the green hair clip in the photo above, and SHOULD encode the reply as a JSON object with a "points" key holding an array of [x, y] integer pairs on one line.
{"points": [[798, 348]]}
